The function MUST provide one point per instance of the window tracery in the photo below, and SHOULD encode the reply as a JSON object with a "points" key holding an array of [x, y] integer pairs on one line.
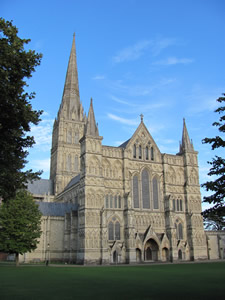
{"points": [[114, 230]]}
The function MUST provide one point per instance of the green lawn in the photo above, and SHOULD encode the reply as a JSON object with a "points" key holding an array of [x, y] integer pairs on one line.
{"points": [[175, 281]]}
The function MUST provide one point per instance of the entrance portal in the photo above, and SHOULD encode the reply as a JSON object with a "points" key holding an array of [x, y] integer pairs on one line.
{"points": [[180, 255], [115, 257], [165, 254], [138, 255], [151, 250]]}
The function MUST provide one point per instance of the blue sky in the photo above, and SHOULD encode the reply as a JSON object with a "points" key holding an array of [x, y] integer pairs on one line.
{"points": [[164, 59]]}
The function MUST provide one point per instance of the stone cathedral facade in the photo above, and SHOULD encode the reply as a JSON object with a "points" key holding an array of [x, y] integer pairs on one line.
{"points": [[126, 204]]}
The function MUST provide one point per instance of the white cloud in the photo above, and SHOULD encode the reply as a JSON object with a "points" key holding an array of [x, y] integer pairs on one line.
{"points": [[42, 135], [202, 99], [41, 164], [122, 120], [173, 61], [135, 51], [122, 101], [132, 52], [98, 77]]}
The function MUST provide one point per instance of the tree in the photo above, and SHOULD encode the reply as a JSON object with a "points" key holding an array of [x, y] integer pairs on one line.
{"points": [[213, 222], [216, 213], [20, 224], [16, 112]]}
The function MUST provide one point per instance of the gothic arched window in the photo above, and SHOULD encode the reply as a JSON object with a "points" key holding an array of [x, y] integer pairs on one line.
{"points": [[146, 153], [114, 230], [111, 231], [111, 201], [180, 231], [115, 201], [155, 193], [134, 151], [174, 204], [117, 231], [178, 205], [140, 152], [119, 201], [152, 153], [107, 201], [135, 192], [181, 205], [145, 189]]}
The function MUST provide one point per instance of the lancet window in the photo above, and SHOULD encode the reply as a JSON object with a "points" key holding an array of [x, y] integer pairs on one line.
{"points": [[135, 192], [146, 153], [145, 189], [155, 193], [140, 152], [113, 201], [146, 195], [152, 153], [179, 230], [114, 230], [134, 151], [177, 205]]}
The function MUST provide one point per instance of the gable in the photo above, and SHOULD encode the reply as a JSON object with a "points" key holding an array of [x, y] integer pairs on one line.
{"points": [[142, 138]]}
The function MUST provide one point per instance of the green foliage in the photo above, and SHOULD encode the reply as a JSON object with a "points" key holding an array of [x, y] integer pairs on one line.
{"points": [[20, 224], [16, 113], [214, 222], [217, 186]]}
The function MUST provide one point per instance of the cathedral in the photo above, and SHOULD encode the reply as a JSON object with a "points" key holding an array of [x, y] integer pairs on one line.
{"points": [[112, 205]]}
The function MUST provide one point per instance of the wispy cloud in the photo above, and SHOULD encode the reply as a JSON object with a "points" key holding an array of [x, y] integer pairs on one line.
{"points": [[42, 134], [122, 120], [155, 46], [162, 43], [98, 77], [132, 52], [139, 107], [173, 61], [202, 99], [122, 101], [136, 90], [41, 164]]}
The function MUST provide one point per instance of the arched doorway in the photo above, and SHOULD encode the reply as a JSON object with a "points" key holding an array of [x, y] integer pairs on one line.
{"points": [[165, 254], [115, 257], [151, 250], [138, 255], [180, 255]]}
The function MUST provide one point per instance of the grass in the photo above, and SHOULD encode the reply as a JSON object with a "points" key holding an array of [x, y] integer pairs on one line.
{"points": [[175, 281]]}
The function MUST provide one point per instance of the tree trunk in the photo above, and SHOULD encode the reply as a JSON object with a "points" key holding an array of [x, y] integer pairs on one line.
{"points": [[17, 259]]}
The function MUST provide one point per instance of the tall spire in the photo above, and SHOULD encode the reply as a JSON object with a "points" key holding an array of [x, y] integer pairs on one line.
{"points": [[91, 127], [71, 96], [186, 144]]}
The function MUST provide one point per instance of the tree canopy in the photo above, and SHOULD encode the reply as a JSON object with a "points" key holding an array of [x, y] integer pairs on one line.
{"points": [[216, 213], [20, 224], [16, 112]]}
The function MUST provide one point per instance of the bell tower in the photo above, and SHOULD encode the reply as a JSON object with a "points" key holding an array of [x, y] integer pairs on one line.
{"points": [[67, 130]]}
